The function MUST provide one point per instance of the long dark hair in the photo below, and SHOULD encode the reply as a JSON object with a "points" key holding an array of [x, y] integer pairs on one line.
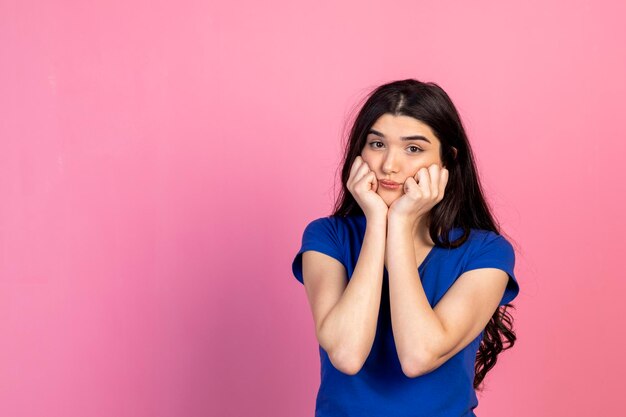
{"points": [[463, 205]]}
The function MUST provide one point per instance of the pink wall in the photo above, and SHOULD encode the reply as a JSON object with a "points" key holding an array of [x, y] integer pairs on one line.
{"points": [[159, 160]]}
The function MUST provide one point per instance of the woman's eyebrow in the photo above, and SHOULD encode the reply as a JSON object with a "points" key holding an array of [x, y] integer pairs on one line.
{"points": [[415, 137]]}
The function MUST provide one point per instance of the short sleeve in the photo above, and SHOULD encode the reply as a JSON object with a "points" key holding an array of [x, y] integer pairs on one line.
{"points": [[496, 252], [320, 235]]}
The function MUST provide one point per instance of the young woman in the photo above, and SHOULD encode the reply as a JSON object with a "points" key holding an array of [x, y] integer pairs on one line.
{"points": [[409, 279]]}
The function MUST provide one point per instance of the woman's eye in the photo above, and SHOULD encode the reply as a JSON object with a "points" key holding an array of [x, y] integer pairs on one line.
{"points": [[413, 148]]}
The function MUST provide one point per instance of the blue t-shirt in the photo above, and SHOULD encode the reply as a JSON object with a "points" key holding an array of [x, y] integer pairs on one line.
{"points": [[380, 388]]}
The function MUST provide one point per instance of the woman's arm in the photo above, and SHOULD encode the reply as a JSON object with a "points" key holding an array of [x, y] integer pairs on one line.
{"points": [[416, 327], [426, 338], [348, 330]]}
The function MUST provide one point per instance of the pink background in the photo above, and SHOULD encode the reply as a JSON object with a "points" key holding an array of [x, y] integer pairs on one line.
{"points": [[159, 161]]}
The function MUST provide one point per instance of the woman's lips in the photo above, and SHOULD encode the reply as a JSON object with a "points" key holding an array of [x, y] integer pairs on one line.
{"points": [[389, 184]]}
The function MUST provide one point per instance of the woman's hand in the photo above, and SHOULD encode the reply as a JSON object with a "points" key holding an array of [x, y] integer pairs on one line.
{"points": [[363, 185], [419, 196]]}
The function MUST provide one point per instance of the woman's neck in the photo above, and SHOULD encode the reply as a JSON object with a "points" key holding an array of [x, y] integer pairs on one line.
{"points": [[421, 234]]}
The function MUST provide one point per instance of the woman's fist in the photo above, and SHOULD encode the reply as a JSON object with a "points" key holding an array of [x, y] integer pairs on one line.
{"points": [[363, 185], [421, 193]]}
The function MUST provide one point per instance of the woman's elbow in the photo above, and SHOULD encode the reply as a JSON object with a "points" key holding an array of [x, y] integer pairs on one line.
{"points": [[414, 367], [346, 362]]}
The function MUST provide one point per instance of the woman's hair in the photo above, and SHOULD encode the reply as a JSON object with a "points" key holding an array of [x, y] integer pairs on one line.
{"points": [[463, 204]]}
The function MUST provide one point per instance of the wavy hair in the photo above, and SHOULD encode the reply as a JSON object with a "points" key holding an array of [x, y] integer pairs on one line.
{"points": [[463, 205]]}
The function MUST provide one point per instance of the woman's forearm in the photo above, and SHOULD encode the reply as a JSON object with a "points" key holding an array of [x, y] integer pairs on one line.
{"points": [[416, 327], [350, 327]]}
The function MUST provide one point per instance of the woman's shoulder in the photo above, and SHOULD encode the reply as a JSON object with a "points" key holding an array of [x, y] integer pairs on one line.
{"points": [[482, 234], [338, 222], [477, 238], [486, 235], [342, 228], [474, 234], [489, 240]]}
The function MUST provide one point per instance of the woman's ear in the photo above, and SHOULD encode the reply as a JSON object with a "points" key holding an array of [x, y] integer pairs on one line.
{"points": [[454, 150]]}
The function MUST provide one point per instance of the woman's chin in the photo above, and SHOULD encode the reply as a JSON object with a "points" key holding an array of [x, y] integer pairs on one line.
{"points": [[389, 198]]}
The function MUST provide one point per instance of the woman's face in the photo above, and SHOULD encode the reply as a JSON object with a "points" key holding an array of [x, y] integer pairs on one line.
{"points": [[395, 159]]}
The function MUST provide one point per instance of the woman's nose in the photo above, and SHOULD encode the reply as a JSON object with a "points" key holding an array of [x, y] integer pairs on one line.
{"points": [[389, 163]]}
